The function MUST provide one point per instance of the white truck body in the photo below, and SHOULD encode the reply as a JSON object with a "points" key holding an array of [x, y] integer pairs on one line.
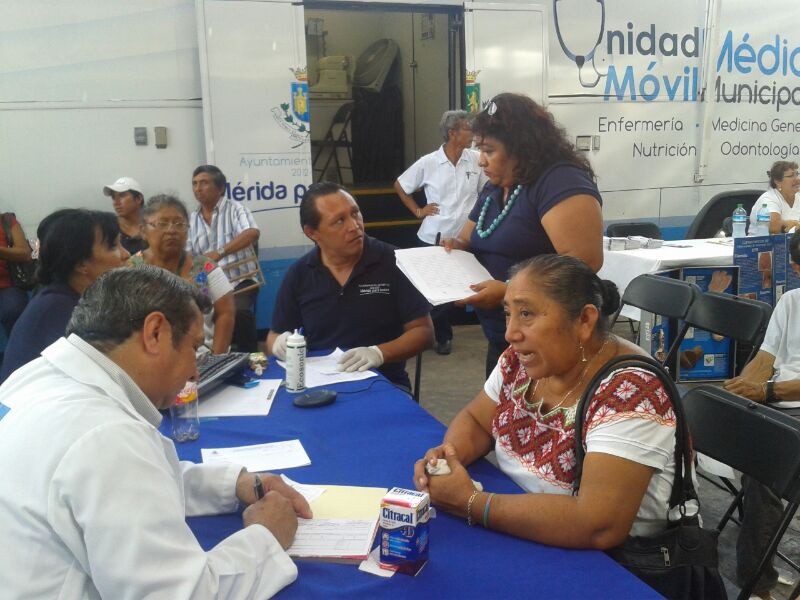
{"points": [[674, 101]]}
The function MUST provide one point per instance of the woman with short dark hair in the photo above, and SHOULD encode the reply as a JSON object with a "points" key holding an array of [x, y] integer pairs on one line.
{"points": [[541, 199], [76, 246], [784, 212]]}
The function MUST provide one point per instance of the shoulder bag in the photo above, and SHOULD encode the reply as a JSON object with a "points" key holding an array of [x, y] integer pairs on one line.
{"points": [[23, 274], [682, 561]]}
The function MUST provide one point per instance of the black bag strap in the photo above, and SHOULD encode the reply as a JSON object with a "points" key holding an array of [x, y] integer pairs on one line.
{"points": [[682, 486], [7, 228]]}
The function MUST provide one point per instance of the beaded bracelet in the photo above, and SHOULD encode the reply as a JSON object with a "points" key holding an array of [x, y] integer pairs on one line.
{"points": [[486, 511], [470, 522]]}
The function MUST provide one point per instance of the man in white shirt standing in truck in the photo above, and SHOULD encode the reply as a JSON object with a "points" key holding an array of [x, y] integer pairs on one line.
{"points": [[452, 181]]}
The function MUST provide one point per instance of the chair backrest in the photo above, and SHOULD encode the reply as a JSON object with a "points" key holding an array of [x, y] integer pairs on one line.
{"points": [[709, 220], [752, 438], [644, 228], [727, 226], [663, 296], [660, 295], [741, 319]]}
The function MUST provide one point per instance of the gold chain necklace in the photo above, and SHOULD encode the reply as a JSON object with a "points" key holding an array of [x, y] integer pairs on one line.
{"points": [[539, 414]]}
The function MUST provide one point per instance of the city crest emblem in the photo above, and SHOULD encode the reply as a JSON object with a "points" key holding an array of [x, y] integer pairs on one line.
{"points": [[293, 116]]}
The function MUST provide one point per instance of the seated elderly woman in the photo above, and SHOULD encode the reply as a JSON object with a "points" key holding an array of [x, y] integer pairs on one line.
{"points": [[76, 246], [556, 313], [784, 212], [166, 223]]}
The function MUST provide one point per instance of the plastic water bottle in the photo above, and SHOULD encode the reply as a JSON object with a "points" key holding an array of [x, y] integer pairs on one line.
{"points": [[185, 424], [295, 362], [762, 220], [739, 222]]}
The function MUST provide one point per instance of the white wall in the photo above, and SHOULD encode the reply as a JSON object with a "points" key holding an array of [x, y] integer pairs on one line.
{"points": [[76, 77]]}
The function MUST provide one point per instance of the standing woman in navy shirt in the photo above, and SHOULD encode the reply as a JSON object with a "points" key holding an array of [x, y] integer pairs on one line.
{"points": [[541, 199]]}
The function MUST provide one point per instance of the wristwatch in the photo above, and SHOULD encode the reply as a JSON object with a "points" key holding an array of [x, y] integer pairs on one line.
{"points": [[221, 251], [770, 392]]}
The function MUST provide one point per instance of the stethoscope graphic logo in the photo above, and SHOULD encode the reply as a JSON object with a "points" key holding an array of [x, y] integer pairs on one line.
{"points": [[582, 59]]}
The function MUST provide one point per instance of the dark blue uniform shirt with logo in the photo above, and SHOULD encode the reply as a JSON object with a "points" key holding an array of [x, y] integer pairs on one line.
{"points": [[370, 309]]}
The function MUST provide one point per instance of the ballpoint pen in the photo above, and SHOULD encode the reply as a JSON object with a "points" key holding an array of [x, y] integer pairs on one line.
{"points": [[258, 487]]}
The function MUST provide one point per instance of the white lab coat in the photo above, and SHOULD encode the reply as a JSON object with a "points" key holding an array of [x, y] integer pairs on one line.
{"points": [[93, 498]]}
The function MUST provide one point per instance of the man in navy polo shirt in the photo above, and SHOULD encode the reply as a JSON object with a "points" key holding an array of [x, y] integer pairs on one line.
{"points": [[349, 292]]}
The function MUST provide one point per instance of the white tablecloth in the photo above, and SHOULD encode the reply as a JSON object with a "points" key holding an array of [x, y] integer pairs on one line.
{"points": [[622, 266]]}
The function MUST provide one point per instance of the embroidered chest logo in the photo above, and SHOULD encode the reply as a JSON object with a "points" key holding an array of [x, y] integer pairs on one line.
{"points": [[367, 289]]}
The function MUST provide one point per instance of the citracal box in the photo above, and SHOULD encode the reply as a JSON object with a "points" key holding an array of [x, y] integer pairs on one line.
{"points": [[404, 530]]}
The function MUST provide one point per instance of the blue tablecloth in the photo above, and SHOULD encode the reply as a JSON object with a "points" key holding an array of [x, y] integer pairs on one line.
{"points": [[372, 437]]}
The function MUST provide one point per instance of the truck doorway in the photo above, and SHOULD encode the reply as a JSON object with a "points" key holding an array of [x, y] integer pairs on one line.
{"points": [[379, 76]]}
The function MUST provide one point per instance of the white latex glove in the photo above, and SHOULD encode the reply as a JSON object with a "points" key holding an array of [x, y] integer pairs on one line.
{"points": [[361, 359], [279, 345]]}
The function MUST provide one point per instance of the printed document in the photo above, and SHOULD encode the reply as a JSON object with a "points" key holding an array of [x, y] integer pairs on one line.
{"points": [[439, 275], [260, 457], [344, 539], [233, 401]]}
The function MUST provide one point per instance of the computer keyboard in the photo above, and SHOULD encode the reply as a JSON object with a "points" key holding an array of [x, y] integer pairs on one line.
{"points": [[214, 369]]}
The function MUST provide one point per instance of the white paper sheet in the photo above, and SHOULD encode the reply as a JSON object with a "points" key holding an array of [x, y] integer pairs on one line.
{"points": [[260, 457], [309, 492], [333, 538], [324, 370], [233, 401], [439, 275], [372, 565], [785, 404]]}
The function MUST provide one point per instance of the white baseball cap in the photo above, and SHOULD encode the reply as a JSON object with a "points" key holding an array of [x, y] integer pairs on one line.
{"points": [[123, 184]]}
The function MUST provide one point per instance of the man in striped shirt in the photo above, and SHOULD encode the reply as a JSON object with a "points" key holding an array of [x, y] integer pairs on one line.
{"points": [[225, 231]]}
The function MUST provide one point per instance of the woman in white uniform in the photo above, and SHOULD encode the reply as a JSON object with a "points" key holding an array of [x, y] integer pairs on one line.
{"points": [[780, 198]]}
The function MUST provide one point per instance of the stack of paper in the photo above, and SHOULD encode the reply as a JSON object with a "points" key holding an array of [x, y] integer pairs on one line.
{"points": [[439, 275], [344, 524]]}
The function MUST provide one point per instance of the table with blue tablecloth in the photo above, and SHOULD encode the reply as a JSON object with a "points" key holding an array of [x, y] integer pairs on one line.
{"points": [[371, 436]]}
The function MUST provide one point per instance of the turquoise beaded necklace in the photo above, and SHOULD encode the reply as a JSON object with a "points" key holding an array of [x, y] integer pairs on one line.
{"points": [[484, 233]]}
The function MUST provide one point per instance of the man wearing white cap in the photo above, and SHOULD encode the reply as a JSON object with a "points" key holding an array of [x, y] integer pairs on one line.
{"points": [[128, 201]]}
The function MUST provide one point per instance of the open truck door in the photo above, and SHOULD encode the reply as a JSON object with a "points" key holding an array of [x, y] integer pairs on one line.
{"points": [[505, 52]]}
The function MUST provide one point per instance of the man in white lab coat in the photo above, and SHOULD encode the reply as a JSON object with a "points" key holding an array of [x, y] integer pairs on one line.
{"points": [[93, 498]]}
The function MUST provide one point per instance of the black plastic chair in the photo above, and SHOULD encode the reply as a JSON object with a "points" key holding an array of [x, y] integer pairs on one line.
{"points": [[333, 141], [709, 220], [663, 296], [643, 228], [741, 319], [755, 439]]}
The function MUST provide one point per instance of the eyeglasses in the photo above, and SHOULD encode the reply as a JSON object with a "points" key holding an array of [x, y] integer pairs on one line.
{"points": [[792, 175], [167, 225]]}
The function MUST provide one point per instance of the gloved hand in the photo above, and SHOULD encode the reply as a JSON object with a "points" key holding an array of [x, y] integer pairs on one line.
{"points": [[279, 345], [361, 359]]}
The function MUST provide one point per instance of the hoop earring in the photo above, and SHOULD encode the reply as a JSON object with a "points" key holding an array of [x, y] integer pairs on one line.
{"points": [[583, 353]]}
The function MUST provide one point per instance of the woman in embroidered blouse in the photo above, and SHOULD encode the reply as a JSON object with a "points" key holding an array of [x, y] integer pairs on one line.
{"points": [[541, 199], [165, 224], [557, 326]]}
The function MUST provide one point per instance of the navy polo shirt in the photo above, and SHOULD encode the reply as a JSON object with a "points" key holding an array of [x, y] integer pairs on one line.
{"points": [[521, 235], [371, 308], [43, 321]]}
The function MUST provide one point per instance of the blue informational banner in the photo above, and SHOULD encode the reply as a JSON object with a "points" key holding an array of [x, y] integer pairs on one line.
{"points": [[704, 356], [754, 257]]}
